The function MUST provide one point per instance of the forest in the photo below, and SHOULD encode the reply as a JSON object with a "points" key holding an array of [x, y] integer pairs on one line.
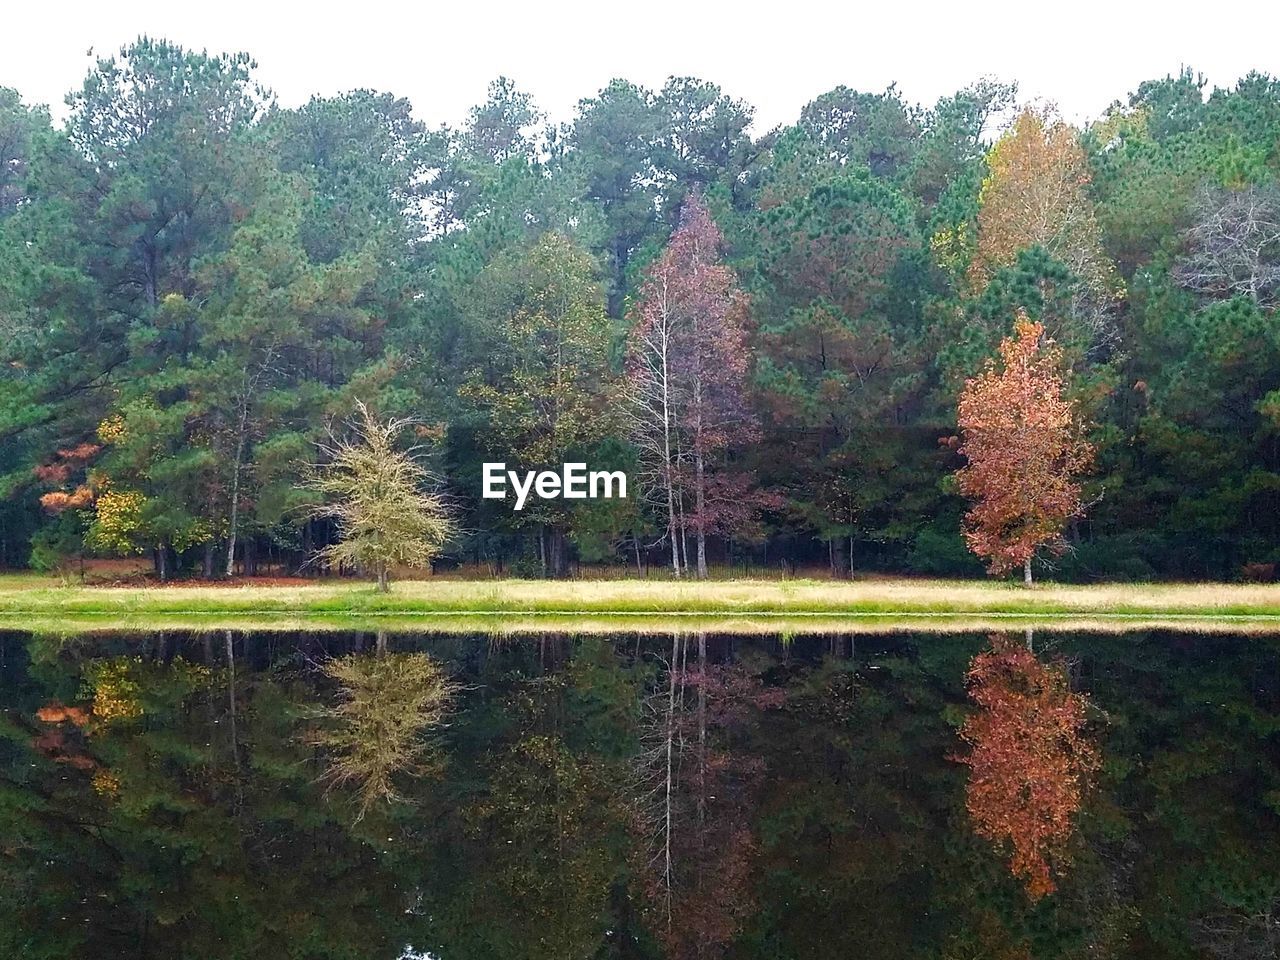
{"points": [[771, 332]]}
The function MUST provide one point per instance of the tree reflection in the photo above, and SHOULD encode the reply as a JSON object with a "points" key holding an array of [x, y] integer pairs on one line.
{"points": [[696, 799], [378, 729], [639, 799], [1029, 760]]}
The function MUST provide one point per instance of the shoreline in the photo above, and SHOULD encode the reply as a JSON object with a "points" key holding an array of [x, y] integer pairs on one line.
{"points": [[28, 598]]}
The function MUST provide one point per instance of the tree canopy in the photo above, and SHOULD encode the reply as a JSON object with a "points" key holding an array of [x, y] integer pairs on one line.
{"points": [[196, 280]]}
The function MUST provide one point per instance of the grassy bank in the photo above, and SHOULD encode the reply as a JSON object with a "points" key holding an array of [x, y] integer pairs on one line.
{"points": [[500, 627], [23, 596]]}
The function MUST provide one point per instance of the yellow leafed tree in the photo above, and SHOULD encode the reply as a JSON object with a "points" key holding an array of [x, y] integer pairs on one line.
{"points": [[1035, 193]]}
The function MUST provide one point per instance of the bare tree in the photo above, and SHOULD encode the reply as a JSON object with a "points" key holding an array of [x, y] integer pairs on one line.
{"points": [[655, 770], [1241, 933], [688, 370], [1234, 247], [654, 400]]}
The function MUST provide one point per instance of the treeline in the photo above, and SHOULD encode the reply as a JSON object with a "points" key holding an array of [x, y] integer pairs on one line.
{"points": [[769, 333]]}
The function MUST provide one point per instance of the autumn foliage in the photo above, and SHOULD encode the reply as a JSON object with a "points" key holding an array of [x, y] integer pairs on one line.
{"points": [[688, 368], [1036, 194], [1029, 760], [1025, 447], [59, 472]]}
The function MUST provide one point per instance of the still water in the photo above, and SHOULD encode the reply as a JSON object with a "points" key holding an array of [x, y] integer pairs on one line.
{"points": [[327, 795]]}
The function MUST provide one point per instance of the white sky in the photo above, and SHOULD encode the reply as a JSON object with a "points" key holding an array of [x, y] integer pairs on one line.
{"points": [[777, 56]]}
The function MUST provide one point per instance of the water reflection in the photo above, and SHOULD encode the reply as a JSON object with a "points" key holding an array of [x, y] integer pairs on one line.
{"points": [[697, 791], [687, 796], [376, 732], [1029, 758]]}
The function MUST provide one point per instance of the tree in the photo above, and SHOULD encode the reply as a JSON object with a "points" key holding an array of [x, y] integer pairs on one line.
{"points": [[19, 127], [375, 495], [877, 131], [1025, 448], [687, 372], [543, 382], [838, 361], [694, 794], [363, 156], [280, 334], [1233, 249], [701, 140], [610, 147], [1029, 761], [1035, 194]]}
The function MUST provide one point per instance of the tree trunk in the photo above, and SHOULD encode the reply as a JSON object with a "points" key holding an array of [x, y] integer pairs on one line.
{"points": [[208, 560], [702, 730], [668, 465], [839, 558], [559, 555], [701, 504], [307, 540], [1026, 572], [684, 533], [672, 530], [383, 585], [241, 429]]}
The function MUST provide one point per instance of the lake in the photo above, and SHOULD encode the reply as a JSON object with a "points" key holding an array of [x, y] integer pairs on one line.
{"points": [[690, 795]]}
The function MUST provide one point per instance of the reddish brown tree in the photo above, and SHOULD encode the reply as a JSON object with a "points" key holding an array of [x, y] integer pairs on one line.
{"points": [[687, 369], [1029, 760], [1025, 448]]}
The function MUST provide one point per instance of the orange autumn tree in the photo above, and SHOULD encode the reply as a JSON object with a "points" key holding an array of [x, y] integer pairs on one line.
{"points": [[59, 472], [1029, 761], [1025, 447]]}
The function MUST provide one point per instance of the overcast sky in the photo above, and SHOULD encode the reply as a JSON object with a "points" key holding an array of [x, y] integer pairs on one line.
{"points": [[777, 56]]}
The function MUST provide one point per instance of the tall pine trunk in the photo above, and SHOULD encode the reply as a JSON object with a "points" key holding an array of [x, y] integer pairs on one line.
{"points": [[242, 424]]}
